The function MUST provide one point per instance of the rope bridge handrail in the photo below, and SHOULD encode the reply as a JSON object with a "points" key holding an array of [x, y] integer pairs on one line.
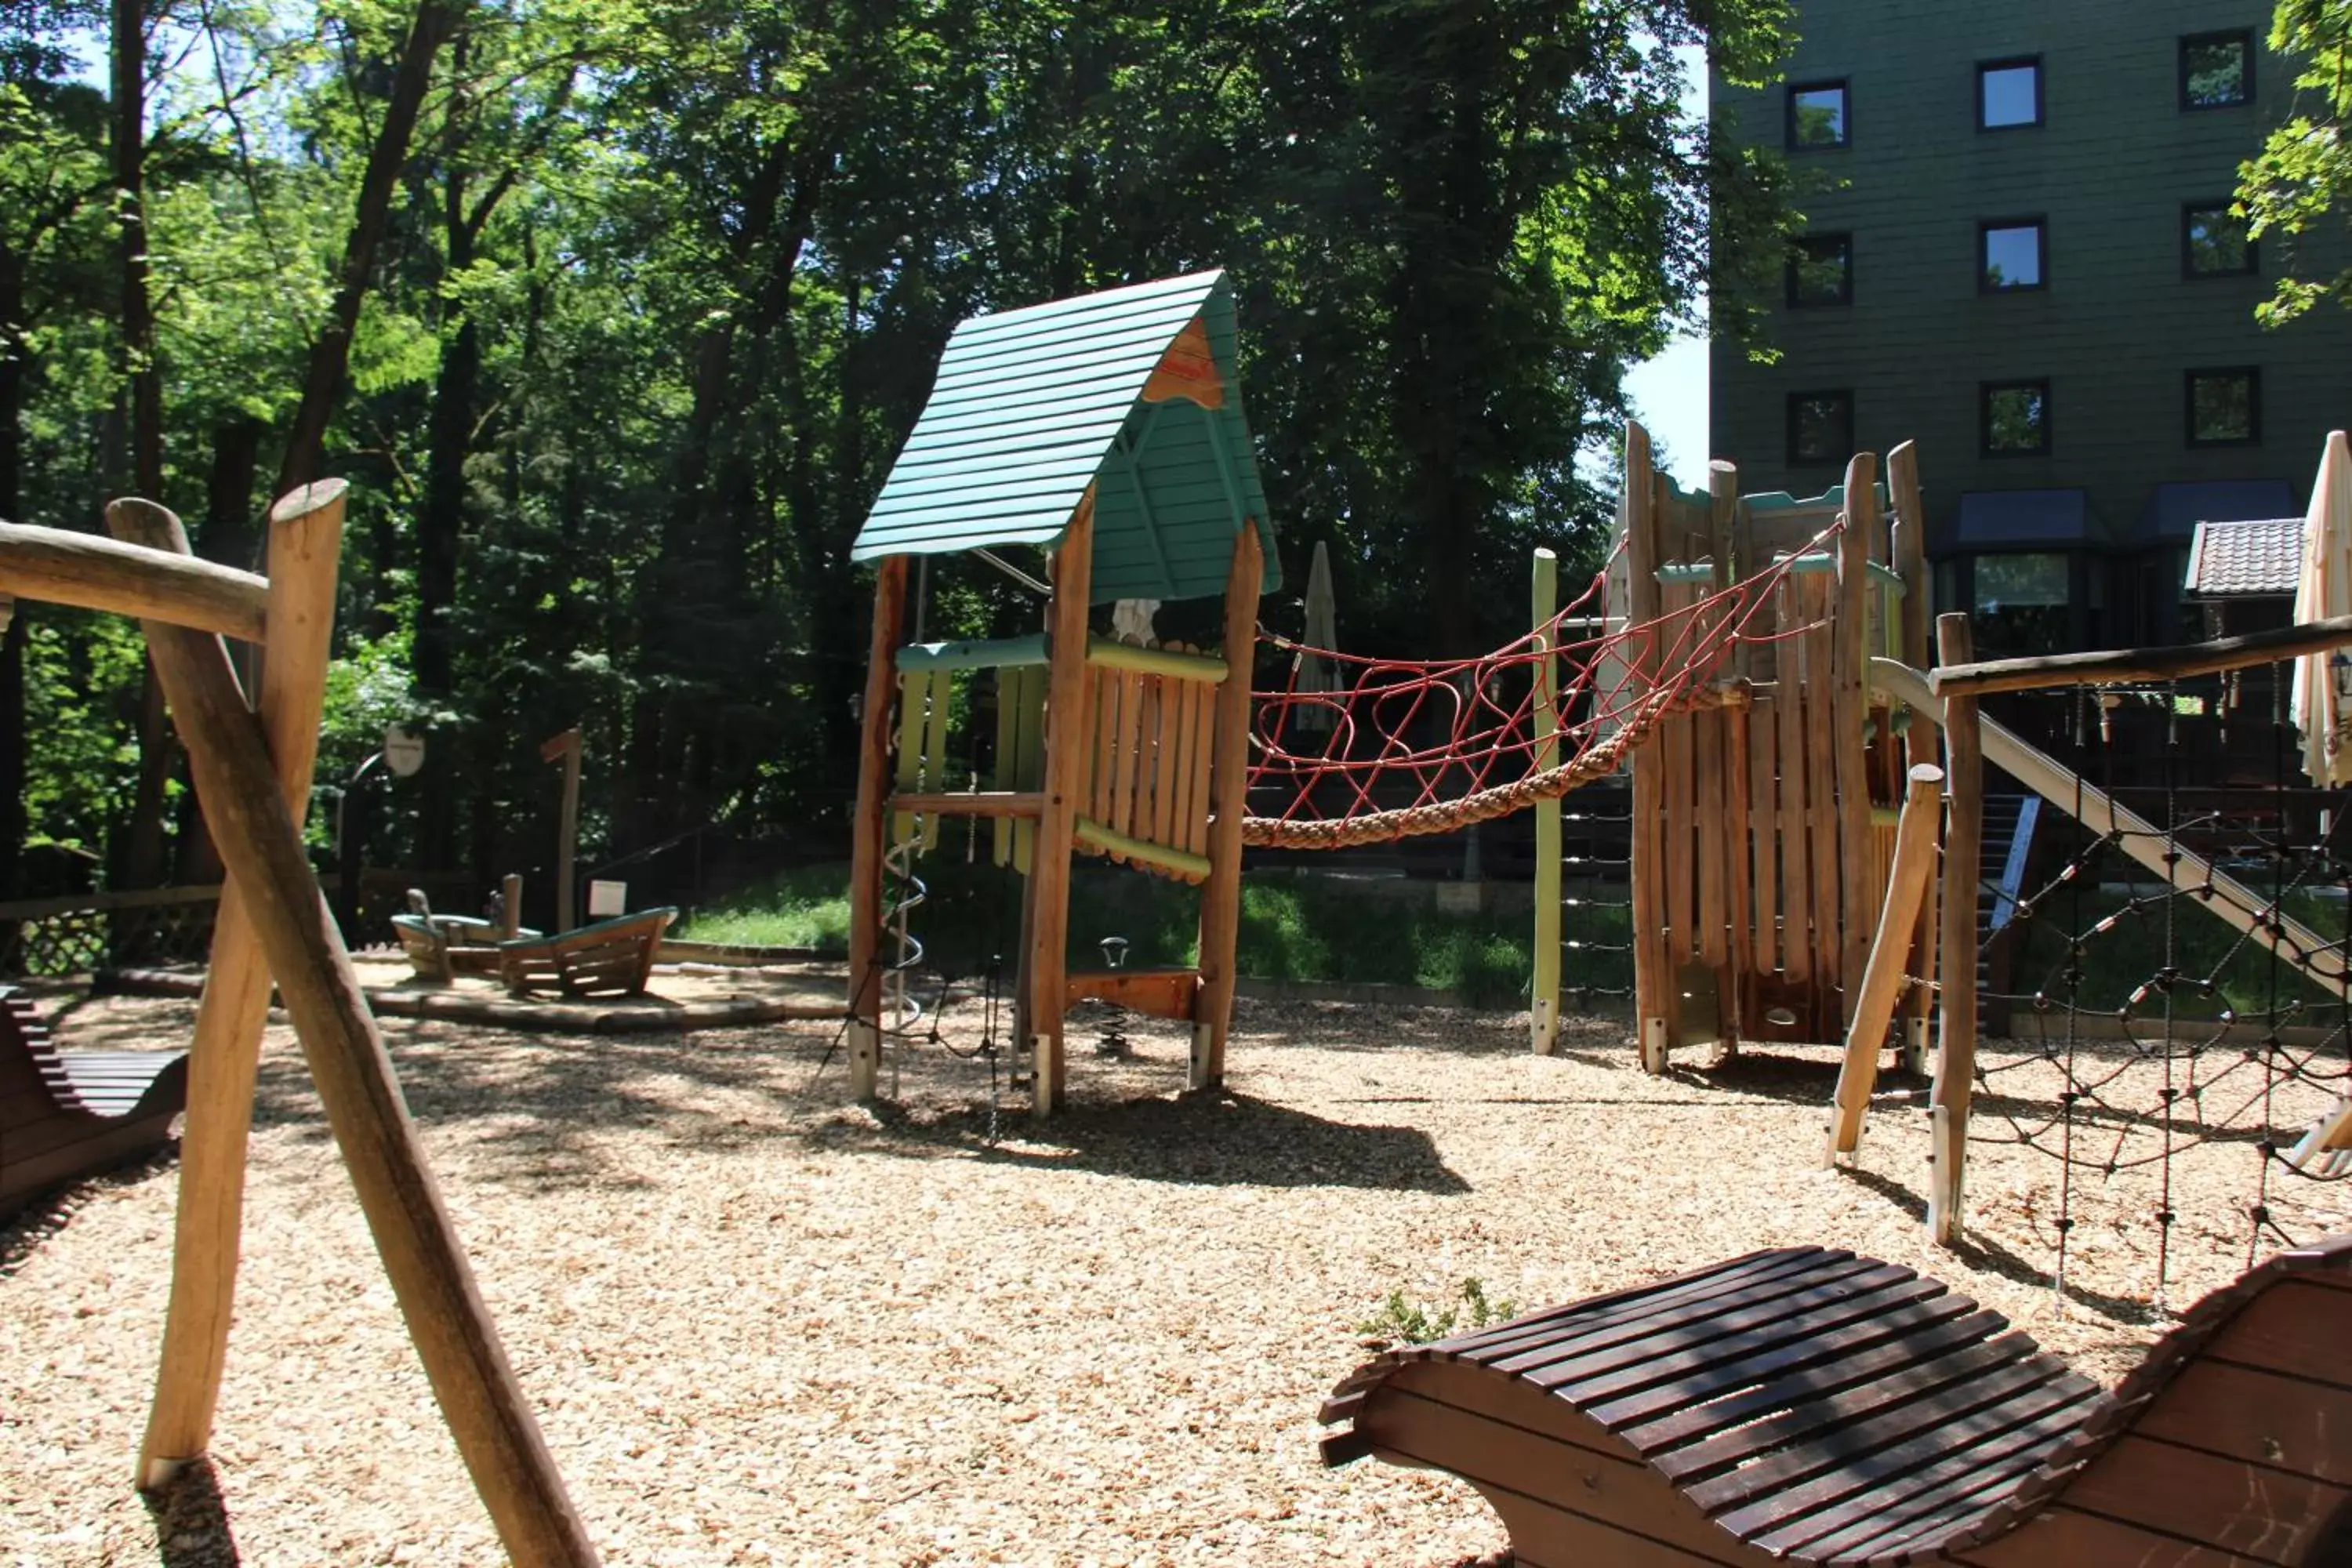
{"points": [[1616, 688]]}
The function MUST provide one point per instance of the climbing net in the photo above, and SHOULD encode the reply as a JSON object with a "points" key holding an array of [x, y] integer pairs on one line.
{"points": [[2176, 1072], [1366, 750]]}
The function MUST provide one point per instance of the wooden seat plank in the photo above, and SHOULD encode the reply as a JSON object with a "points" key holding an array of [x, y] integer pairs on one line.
{"points": [[1854, 1488], [1597, 1349], [1817, 1415], [1732, 1338], [1644, 1304], [2066, 1535], [65, 1115], [1653, 1423]]}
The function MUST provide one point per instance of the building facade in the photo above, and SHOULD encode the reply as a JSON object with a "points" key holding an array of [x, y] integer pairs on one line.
{"points": [[2018, 253]]}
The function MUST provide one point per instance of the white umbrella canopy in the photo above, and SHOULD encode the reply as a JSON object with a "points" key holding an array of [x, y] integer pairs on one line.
{"points": [[2323, 682]]}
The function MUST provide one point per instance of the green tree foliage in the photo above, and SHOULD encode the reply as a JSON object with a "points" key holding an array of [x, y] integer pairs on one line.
{"points": [[659, 289], [2292, 193]]}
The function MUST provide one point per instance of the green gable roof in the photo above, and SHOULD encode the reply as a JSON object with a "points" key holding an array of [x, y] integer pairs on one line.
{"points": [[1031, 407]]}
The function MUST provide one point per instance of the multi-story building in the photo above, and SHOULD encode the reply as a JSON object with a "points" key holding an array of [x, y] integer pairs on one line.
{"points": [[2019, 254]]}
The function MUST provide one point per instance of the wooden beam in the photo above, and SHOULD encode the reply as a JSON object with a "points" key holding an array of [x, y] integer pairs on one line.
{"points": [[1543, 987], [972, 803], [1161, 992], [2144, 841], [1653, 980], [1136, 659], [94, 572], [1915, 645], [306, 532], [869, 825], [2105, 668], [1126, 847], [1956, 1047], [1221, 901], [1065, 738], [485, 1407], [1890, 952], [1723, 497], [1850, 715]]}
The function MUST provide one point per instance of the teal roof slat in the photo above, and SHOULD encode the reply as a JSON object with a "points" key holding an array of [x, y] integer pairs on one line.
{"points": [[1030, 406]]}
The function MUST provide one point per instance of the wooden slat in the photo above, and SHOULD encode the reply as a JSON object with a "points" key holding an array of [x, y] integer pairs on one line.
{"points": [[2295, 1328], [1829, 1499], [1943, 1496], [1652, 985], [2267, 1514], [1592, 1356], [1764, 831], [1162, 993], [1136, 694], [1098, 700], [1169, 764], [1796, 773], [1643, 1312], [1708, 748], [1204, 744], [2291, 1421], [2065, 1535], [1821, 795], [1888, 1342]]}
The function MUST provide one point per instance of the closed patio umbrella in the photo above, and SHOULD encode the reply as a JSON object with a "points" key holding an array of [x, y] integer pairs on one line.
{"points": [[1322, 630], [2323, 682]]}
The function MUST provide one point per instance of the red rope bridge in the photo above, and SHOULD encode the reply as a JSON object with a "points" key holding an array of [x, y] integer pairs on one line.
{"points": [[1396, 748]]}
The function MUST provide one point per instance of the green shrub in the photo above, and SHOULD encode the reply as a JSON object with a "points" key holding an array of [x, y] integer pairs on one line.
{"points": [[1403, 1322]]}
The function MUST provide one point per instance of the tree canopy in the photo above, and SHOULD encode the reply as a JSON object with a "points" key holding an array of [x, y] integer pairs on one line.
{"points": [[615, 311], [2294, 192]]}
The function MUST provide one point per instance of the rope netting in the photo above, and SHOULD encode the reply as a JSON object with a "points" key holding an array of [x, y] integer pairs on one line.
{"points": [[1367, 751], [2179, 1072]]}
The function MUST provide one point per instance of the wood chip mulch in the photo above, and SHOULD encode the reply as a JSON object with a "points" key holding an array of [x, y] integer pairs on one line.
{"points": [[765, 1325]]}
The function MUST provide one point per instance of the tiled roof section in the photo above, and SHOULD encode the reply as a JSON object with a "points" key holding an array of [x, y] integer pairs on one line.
{"points": [[2263, 556]]}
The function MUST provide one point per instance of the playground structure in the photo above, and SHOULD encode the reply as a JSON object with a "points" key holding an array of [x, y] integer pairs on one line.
{"points": [[1813, 1406], [67, 1116], [251, 765], [1107, 430]]}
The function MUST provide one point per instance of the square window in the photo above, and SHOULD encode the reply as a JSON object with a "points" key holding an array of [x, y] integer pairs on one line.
{"points": [[1821, 271], [2225, 407], [2009, 92], [2214, 244], [2009, 253], [2010, 581], [2217, 70], [1818, 115], [2016, 418], [1821, 427]]}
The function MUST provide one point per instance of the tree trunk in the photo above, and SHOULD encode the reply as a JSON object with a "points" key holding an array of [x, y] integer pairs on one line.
{"points": [[229, 537], [140, 863], [12, 646], [322, 384]]}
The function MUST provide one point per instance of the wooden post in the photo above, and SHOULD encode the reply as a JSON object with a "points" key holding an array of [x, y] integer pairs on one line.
{"points": [[1850, 717], [868, 825], [1220, 900], [565, 747], [1065, 739], [1917, 649], [488, 1412], [1654, 980], [1543, 988], [510, 905], [1956, 1030], [1915, 862], [306, 533], [1723, 497]]}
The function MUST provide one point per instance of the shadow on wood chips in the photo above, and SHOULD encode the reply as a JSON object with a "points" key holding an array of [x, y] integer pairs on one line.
{"points": [[1218, 1140], [191, 1521]]}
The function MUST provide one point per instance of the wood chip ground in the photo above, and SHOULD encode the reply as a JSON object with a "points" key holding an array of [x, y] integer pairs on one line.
{"points": [[763, 1325]]}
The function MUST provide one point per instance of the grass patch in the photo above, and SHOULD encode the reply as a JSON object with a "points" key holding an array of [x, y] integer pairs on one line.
{"points": [[1291, 927], [2132, 949]]}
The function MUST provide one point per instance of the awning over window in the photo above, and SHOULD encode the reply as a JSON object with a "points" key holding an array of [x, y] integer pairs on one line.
{"points": [[2022, 519], [2174, 511]]}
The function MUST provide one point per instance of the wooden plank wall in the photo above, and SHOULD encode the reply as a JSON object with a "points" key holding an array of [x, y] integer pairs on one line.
{"points": [[1147, 757], [1783, 781]]}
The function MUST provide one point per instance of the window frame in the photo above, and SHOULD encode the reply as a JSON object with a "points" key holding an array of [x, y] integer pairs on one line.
{"points": [[2244, 38], [2189, 379], [2189, 253], [1845, 290], [1985, 391], [2040, 223], [1797, 458], [2012, 62], [1844, 86]]}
